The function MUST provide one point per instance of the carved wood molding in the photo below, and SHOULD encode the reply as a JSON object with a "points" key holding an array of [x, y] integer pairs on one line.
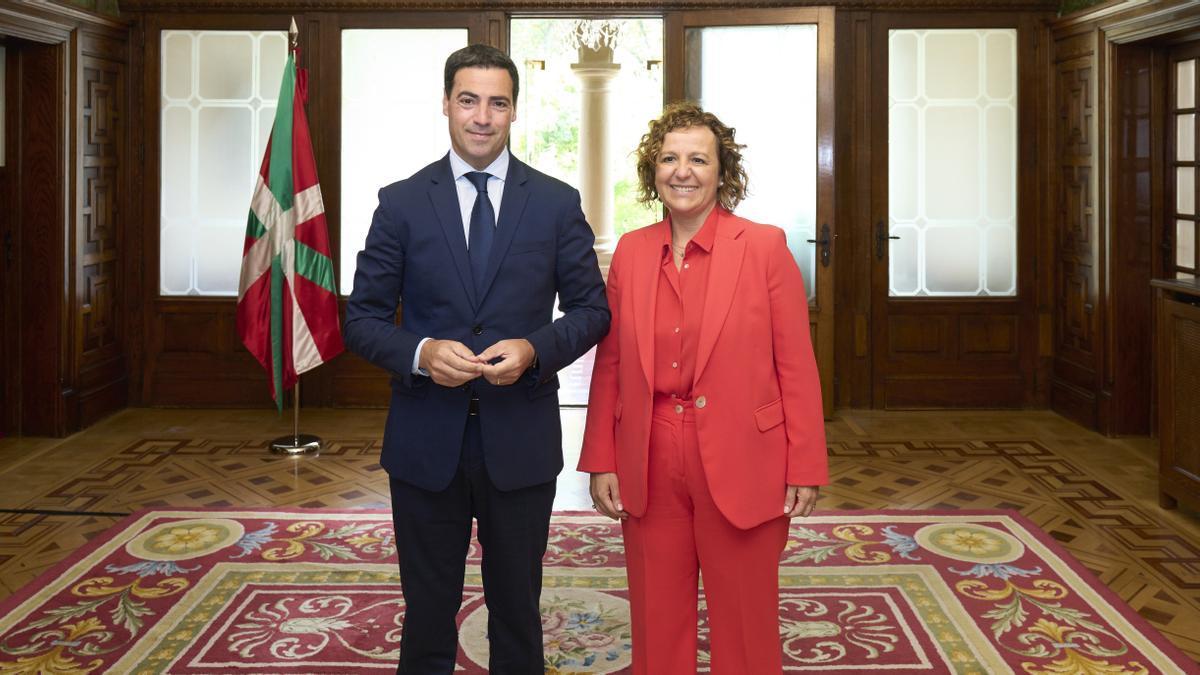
{"points": [[1131, 20], [1098, 12], [36, 26], [52, 22], [175, 6], [1168, 19]]}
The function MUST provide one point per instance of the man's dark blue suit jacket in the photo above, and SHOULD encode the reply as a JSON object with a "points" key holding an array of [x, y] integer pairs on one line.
{"points": [[416, 257]]}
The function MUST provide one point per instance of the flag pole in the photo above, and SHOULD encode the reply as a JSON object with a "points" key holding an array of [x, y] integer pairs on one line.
{"points": [[297, 443]]}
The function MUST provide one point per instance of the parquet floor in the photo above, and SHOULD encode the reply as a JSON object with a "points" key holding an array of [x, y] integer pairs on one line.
{"points": [[1097, 496]]}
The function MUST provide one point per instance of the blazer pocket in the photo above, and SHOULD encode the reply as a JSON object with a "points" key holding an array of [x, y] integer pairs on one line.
{"points": [[519, 247], [769, 415]]}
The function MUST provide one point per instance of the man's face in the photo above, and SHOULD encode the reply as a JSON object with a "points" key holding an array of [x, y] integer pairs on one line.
{"points": [[480, 110]]}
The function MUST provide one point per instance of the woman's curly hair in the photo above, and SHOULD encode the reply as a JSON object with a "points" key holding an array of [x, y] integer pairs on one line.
{"points": [[682, 115]]}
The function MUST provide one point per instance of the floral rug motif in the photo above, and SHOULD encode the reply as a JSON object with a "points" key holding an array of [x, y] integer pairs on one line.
{"points": [[212, 591]]}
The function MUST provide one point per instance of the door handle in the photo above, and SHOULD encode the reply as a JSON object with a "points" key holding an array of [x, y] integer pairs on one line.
{"points": [[825, 243], [881, 237]]}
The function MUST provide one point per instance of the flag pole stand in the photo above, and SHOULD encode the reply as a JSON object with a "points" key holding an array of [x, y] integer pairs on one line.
{"points": [[298, 443]]}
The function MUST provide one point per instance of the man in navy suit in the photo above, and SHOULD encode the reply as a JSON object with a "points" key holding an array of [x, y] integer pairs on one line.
{"points": [[474, 248]]}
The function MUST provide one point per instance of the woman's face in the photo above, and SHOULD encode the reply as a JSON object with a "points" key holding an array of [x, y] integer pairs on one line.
{"points": [[688, 171]]}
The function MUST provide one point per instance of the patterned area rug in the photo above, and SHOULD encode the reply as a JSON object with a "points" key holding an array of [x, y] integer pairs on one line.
{"points": [[203, 591]]}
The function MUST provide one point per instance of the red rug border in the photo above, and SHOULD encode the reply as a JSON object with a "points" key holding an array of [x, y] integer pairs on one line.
{"points": [[1137, 620], [1147, 629]]}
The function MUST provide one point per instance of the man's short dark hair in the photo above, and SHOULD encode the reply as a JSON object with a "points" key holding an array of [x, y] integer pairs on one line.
{"points": [[480, 56]]}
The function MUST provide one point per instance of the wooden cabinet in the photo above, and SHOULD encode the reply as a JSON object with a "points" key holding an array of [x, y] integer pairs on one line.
{"points": [[1178, 363]]}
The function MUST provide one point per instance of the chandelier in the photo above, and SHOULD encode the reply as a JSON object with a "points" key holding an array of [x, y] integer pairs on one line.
{"points": [[593, 34]]}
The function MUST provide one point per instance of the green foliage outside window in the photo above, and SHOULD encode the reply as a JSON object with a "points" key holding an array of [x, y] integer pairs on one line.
{"points": [[546, 133]]}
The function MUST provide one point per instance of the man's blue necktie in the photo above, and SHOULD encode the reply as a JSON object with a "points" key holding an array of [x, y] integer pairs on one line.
{"points": [[483, 229]]}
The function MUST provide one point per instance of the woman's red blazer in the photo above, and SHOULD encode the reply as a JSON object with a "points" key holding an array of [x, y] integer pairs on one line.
{"points": [[756, 390]]}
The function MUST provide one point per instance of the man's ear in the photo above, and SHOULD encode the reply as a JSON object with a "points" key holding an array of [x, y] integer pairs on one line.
{"points": [[445, 105]]}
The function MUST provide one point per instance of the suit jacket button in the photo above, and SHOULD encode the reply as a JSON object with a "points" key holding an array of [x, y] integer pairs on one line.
{"points": [[477, 330], [701, 402]]}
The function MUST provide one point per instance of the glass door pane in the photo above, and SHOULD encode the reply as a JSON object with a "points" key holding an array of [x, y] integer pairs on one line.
{"points": [[777, 124], [589, 87], [219, 90], [1185, 77], [1185, 248], [1185, 190], [583, 111], [952, 155], [392, 122]]}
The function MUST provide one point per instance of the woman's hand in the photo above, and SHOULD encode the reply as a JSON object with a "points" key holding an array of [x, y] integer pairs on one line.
{"points": [[606, 496], [799, 501]]}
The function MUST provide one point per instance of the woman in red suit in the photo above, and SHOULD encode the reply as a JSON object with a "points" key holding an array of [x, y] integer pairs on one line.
{"points": [[704, 431]]}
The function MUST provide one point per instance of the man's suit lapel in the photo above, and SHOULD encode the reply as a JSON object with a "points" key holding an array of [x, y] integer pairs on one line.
{"points": [[512, 207], [444, 196], [727, 254], [644, 287]]}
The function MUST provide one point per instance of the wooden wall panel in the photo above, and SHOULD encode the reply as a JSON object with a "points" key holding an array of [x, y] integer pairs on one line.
{"points": [[102, 376], [1135, 204], [132, 226], [198, 359], [1077, 357], [1044, 268], [42, 215], [852, 253]]}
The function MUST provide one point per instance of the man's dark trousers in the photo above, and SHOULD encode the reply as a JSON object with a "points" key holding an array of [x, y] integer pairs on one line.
{"points": [[433, 531]]}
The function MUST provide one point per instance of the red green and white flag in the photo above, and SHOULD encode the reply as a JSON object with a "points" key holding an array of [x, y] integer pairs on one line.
{"points": [[287, 314]]}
